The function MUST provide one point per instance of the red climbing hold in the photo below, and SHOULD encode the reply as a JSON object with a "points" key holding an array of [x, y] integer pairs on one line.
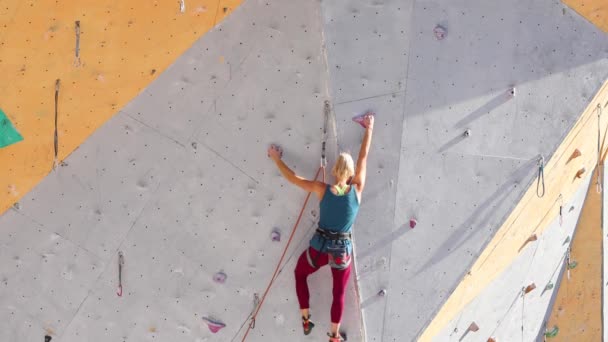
{"points": [[413, 223], [213, 324]]}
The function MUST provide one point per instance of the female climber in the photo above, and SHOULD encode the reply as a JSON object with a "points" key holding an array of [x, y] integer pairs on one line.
{"points": [[331, 243]]}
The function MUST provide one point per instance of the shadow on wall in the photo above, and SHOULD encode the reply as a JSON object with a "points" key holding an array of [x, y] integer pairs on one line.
{"points": [[493, 46], [478, 220]]}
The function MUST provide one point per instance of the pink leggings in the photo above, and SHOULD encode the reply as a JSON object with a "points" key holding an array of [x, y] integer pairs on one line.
{"points": [[304, 269]]}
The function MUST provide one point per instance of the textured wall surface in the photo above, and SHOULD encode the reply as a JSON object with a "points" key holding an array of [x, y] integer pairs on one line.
{"points": [[179, 181], [385, 56], [122, 47], [502, 308]]}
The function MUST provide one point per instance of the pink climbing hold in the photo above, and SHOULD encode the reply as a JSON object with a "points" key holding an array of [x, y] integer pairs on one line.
{"points": [[220, 277], [413, 223], [360, 119], [214, 325], [440, 32], [275, 235]]}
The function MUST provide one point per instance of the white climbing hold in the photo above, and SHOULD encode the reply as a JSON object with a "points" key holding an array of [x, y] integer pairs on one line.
{"points": [[440, 32], [467, 133], [382, 293], [182, 6]]}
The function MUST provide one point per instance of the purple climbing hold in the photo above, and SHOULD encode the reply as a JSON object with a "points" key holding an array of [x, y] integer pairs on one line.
{"points": [[360, 118], [214, 325], [275, 235], [413, 223], [440, 32], [220, 277]]}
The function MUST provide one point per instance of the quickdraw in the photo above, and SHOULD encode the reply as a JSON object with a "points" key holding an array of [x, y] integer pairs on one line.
{"points": [[541, 177], [121, 262]]}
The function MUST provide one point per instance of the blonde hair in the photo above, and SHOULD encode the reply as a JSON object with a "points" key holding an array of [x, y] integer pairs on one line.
{"points": [[344, 167]]}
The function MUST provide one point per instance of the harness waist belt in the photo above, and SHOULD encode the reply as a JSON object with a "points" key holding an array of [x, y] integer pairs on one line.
{"points": [[333, 235]]}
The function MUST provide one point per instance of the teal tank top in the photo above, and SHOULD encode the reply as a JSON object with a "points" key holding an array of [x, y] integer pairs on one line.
{"points": [[336, 214]]}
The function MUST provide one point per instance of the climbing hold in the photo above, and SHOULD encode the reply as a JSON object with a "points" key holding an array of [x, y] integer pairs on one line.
{"points": [[492, 339], [553, 332], [440, 32], [8, 133], [580, 172], [572, 265], [360, 118], [213, 324], [182, 6], [47, 338], [529, 288], [275, 235], [276, 148], [566, 241], [473, 327], [194, 145], [549, 286], [511, 92], [220, 277], [467, 133], [577, 153], [532, 237], [413, 223], [17, 206], [382, 293]]}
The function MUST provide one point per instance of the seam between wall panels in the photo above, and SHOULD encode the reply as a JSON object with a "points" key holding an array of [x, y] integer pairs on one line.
{"points": [[334, 146], [403, 133]]}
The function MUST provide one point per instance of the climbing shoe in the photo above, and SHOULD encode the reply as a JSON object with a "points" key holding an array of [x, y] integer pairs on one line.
{"points": [[307, 324], [336, 337]]}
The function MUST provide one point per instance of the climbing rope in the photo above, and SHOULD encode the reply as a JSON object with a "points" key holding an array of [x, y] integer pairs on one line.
{"points": [[541, 177], [278, 268], [598, 183]]}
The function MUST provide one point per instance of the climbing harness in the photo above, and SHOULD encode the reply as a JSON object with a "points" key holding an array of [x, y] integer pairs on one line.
{"points": [[56, 139], [598, 183], [77, 49], [121, 262], [541, 177], [336, 247]]}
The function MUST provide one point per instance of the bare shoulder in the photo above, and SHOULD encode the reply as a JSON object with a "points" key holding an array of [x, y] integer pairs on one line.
{"points": [[319, 189]]}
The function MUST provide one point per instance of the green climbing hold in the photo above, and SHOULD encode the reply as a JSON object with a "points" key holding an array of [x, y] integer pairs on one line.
{"points": [[566, 241], [553, 332], [8, 133], [549, 286], [572, 265]]}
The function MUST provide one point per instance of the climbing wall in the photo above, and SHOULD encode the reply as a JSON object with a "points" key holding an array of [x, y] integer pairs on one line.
{"points": [[454, 150], [514, 306], [179, 183], [468, 96], [577, 307], [102, 52]]}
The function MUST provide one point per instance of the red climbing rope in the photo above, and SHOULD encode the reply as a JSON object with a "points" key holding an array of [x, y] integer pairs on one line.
{"points": [[276, 270]]}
